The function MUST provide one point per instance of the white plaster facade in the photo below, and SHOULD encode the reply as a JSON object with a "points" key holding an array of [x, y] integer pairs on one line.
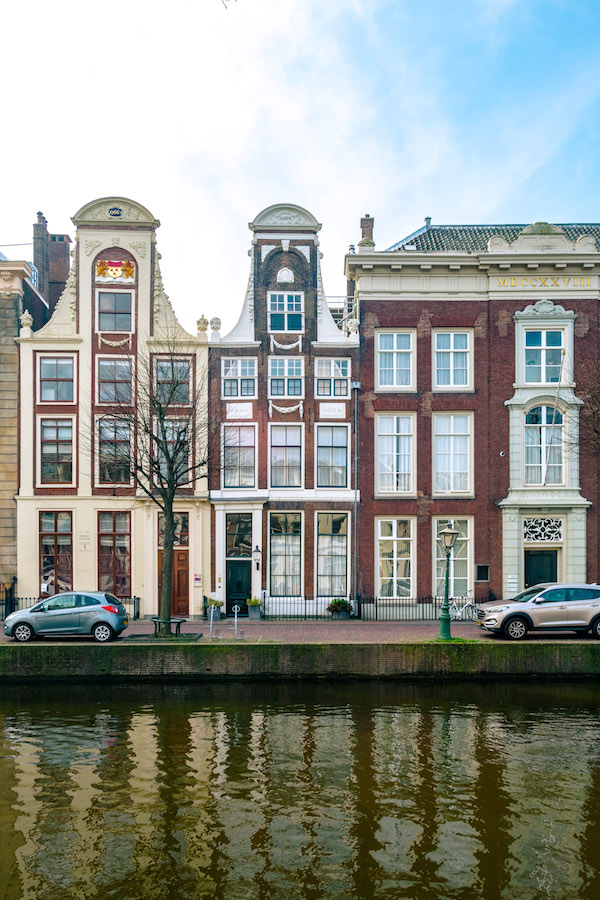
{"points": [[104, 224]]}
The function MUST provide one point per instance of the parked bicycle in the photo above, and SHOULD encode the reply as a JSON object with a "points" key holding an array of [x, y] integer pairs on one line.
{"points": [[460, 609]]}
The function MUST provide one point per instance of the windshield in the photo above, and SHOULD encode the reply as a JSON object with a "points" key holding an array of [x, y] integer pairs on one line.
{"points": [[527, 594]]}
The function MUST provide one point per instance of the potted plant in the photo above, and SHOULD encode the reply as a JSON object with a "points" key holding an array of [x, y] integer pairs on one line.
{"points": [[216, 604], [339, 608], [254, 607]]}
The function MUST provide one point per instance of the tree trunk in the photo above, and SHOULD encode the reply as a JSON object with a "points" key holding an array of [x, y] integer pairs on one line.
{"points": [[164, 610]]}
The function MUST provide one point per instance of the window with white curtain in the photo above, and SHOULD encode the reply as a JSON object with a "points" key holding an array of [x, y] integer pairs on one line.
{"points": [[395, 551], [332, 554], [394, 453], [459, 569], [395, 360], [543, 439], [452, 451], [451, 360], [238, 456], [286, 560], [332, 456], [286, 456]]}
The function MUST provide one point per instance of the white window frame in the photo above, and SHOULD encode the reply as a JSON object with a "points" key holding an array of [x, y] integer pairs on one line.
{"points": [[332, 487], [243, 489], [348, 514], [413, 453], [452, 388], [237, 398], [527, 329], [105, 357], [413, 554], [332, 398], [295, 512], [160, 358], [55, 355], [107, 484], [469, 491], [470, 554], [104, 289], [300, 487], [74, 451], [191, 445], [286, 378], [403, 388], [544, 403], [285, 312]]}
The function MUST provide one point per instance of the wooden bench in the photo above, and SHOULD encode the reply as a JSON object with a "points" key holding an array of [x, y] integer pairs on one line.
{"points": [[157, 623]]}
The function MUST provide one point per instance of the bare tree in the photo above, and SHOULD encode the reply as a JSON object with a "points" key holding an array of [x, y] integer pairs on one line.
{"points": [[157, 435]]}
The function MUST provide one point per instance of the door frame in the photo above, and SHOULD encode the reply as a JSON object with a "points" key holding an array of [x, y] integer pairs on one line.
{"points": [[247, 563], [541, 548]]}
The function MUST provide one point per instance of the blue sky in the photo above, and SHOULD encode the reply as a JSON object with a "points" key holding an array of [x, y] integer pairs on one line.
{"points": [[205, 112]]}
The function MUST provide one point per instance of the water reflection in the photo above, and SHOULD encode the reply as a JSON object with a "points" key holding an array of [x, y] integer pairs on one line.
{"points": [[254, 791]]}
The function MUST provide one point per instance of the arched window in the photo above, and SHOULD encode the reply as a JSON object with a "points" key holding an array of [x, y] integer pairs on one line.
{"points": [[544, 446]]}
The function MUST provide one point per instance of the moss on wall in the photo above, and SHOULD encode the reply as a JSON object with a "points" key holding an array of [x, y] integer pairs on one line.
{"points": [[164, 662]]}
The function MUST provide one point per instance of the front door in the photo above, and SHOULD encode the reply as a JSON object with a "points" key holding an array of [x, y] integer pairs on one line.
{"points": [[540, 566], [239, 585], [180, 595]]}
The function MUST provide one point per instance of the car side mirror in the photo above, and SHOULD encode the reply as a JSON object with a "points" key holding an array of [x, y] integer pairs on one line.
{"points": [[539, 600]]}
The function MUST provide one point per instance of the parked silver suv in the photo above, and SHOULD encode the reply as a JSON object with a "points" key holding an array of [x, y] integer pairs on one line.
{"points": [[544, 607]]}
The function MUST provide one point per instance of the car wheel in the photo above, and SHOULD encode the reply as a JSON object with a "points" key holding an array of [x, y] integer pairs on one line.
{"points": [[515, 630], [596, 628], [102, 633], [23, 633]]}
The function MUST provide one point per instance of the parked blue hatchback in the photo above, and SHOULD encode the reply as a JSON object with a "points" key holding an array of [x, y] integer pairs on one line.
{"points": [[94, 612]]}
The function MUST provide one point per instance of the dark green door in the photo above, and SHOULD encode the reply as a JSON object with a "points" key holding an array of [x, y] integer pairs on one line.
{"points": [[239, 578], [540, 565]]}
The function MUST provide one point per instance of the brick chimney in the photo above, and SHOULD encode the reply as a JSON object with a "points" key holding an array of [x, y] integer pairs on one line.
{"points": [[366, 227], [51, 259]]}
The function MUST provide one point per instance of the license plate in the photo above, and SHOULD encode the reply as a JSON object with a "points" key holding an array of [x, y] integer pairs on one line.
{"points": [[125, 622]]}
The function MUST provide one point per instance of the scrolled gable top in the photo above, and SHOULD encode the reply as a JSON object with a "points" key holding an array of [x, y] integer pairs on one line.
{"points": [[114, 211]]}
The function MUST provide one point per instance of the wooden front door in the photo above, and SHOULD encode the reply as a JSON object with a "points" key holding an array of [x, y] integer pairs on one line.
{"points": [[239, 585], [540, 566], [180, 582]]}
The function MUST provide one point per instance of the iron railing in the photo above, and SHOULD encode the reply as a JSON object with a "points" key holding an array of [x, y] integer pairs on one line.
{"points": [[131, 604], [7, 597]]}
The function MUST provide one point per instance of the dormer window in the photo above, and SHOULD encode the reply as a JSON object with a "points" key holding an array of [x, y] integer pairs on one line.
{"points": [[286, 312]]}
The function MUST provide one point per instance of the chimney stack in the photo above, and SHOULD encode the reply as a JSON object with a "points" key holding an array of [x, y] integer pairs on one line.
{"points": [[51, 259], [366, 227]]}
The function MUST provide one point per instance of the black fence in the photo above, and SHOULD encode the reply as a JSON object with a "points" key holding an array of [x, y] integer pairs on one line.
{"points": [[10, 603], [367, 609], [7, 598]]}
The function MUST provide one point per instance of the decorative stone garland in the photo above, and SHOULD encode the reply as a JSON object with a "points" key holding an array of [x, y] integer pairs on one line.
{"points": [[279, 346], [286, 409]]}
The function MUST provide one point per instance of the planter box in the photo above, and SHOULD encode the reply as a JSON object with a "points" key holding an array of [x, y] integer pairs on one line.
{"points": [[340, 615], [217, 614], [254, 612]]}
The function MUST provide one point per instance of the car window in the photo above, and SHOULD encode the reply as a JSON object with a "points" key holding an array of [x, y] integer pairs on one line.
{"points": [[524, 596], [584, 594], [558, 595], [82, 600], [65, 601]]}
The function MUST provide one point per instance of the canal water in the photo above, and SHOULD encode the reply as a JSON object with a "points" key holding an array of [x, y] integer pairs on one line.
{"points": [[303, 791]]}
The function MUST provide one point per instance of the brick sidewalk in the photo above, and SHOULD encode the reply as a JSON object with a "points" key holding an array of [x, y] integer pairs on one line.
{"points": [[319, 632]]}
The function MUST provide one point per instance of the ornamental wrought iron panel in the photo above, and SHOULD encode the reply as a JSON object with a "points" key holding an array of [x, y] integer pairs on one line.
{"points": [[542, 530]]}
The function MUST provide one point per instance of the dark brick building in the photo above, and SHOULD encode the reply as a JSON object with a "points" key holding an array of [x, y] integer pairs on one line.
{"points": [[282, 398], [473, 342]]}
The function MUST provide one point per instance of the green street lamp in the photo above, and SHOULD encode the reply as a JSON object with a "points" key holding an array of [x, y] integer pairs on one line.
{"points": [[448, 537]]}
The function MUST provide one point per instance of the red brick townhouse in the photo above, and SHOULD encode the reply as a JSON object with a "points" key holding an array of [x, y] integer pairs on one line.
{"points": [[474, 341], [283, 499]]}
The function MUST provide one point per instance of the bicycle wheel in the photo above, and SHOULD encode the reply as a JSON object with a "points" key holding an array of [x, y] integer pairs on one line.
{"points": [[470, 612]]}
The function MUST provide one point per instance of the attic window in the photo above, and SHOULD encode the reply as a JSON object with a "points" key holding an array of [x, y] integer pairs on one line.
{"points": [[285, 276], [410, 246]]}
